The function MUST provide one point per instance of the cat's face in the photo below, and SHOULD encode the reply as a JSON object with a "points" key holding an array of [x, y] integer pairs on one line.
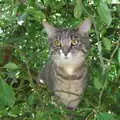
{"points": [[68, 45]]}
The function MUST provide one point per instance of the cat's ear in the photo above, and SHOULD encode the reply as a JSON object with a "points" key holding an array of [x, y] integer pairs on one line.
{"points": [[85, 27], [51, 30]]}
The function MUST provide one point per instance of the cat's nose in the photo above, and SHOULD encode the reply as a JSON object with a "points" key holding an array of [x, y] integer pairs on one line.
{"points": [[65, 51]]}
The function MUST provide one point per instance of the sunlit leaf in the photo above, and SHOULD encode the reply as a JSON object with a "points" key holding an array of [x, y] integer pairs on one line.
{"points": [[105, 116], [97, 83], [104, 13], [7, 95], [33, 98], [107, 43], [3, 112], [37, 14], [78, 9], [11, 66]]}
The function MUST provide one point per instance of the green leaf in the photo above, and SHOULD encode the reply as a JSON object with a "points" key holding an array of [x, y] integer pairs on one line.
{"points": [[107, 43], [37, 14], [97, 83], [105, 116], [3, 112], [11, 66], [119, 55], [78, 9], [33, 99], [7, 95], [104, 13]]}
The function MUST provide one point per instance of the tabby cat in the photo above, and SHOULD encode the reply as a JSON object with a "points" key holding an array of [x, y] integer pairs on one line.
{"points": [[66, 74]]}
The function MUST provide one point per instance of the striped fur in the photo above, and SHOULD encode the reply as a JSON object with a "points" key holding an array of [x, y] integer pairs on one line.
{"points": [[66, 74]]}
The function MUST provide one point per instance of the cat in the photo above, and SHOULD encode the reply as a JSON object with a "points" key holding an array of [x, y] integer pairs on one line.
{"points": [[66, 73]]}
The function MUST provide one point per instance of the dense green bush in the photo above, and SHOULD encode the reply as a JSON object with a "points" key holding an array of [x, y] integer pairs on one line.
{"points": [[24, 50]]}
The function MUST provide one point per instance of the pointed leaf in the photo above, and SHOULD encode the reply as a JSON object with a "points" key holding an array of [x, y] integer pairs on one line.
{"points": [[105, 116], [97, 83], [7, 95], [33, 99], [11, 66], [104, 13], [107, 43], [37, 14], [78, 9]]}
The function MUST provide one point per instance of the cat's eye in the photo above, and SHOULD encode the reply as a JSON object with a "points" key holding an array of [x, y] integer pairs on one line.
{"points": [[57, 43], [74, 42]]}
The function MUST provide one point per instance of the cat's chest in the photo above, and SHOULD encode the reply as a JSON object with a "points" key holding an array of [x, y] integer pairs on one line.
{"points": [[70, 62], [69, 69], [68, 66]]}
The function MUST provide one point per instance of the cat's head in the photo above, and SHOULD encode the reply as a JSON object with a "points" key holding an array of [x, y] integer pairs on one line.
{"points": [[68, 43]]}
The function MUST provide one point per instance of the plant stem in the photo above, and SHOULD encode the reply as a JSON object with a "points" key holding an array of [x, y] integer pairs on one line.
{"points": [[99, 47], [101, 63]]}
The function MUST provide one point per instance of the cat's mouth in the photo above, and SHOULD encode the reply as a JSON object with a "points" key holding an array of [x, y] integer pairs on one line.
{"points": [[65, 56]]}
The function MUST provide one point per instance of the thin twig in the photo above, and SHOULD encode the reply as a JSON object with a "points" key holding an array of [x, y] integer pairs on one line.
{"points": [[101, 62], [90, 114], [99, 47], [114, 51], [107, 70], [30, 79]]}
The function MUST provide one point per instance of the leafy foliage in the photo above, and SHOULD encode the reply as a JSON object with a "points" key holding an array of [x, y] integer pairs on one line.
{"points": [[7, 95], [24, 50]]}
